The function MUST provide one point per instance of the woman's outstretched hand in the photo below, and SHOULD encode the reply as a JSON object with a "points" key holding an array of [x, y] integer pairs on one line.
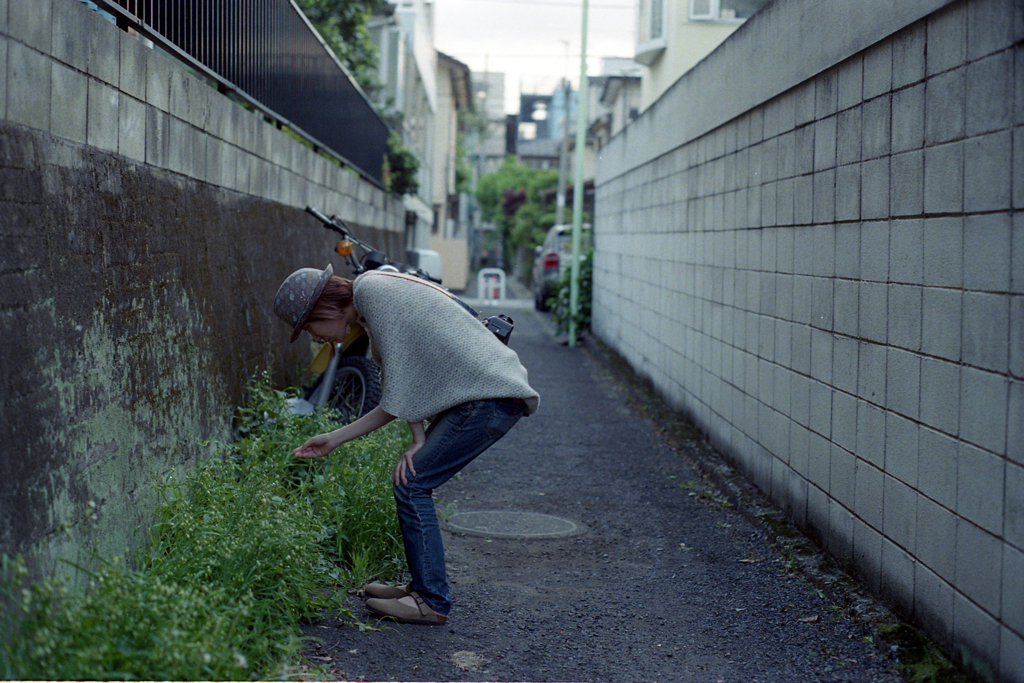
{"points": [[317, 447], [321, 445]]}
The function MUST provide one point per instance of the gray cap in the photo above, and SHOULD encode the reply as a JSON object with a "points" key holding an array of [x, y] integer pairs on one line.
{"points": [[298, 294]]}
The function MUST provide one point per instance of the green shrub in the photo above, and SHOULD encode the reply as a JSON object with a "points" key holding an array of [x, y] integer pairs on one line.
{"points": [[400, 167], [559, 301], [246, 546], [133, 625]]}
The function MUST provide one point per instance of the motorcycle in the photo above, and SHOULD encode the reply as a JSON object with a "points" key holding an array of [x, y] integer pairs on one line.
{"points": [[348, 380]]}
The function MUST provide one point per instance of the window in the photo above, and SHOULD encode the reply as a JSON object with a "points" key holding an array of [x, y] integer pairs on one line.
{"points": [[650, 41], [701, 10], [724, 10], [540, 111], [528, 130], [657, 19]]}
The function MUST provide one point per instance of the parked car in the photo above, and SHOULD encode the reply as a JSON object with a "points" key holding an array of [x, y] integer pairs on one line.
{"points": [[551, 259]]}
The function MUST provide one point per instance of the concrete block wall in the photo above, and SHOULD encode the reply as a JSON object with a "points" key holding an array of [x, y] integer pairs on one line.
{"points": [[828, 274], [73, 75], [146, 222]]}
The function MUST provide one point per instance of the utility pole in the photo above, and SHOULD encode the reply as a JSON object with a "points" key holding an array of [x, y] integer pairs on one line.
{"points": [[563, 157], [474, 156], [577, 188], [563, 145]]}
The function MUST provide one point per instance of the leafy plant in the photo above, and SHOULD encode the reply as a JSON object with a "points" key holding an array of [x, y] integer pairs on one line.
{"points": [[400, 167], [472, 130], [559, 302], [246, 546], [920, 659], [705, 494], [342, 24]]}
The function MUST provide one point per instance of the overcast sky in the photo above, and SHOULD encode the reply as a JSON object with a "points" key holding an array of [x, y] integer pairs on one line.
{"points": [[533, 42]]}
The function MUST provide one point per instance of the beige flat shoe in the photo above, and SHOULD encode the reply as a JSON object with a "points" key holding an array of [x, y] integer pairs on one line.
{"points": [[386, 592], [409, 609]]}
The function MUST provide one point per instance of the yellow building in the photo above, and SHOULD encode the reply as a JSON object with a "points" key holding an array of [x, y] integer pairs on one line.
{"points": [[674, 35]]}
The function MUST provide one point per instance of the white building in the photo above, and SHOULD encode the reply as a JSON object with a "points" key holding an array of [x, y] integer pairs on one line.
{"points": [[422, 92], [674, 35]]}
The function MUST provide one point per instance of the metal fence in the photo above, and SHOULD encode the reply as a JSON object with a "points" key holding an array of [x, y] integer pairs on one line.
{"points": [[266, 52]]}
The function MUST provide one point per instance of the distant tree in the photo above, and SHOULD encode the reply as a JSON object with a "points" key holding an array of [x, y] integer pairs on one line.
{"points": [[342, 23], [492, 187], [510, 199]]}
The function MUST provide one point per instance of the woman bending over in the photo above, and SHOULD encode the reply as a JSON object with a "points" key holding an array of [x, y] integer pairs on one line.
{"points": [[438, 365]]}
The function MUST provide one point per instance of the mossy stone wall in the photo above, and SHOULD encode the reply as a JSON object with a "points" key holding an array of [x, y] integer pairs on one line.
{"points": [[141, 245]]}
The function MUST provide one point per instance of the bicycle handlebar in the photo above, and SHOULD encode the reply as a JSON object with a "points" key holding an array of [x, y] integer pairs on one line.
{"points": [[329, 223], [333, 222], [339, 226]]}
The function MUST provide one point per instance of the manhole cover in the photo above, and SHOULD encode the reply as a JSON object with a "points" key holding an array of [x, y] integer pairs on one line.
{"points": [[512, 524]]}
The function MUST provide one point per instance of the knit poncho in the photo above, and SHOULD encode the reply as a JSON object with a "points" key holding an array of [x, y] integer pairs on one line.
{"points": [[432, 353]]}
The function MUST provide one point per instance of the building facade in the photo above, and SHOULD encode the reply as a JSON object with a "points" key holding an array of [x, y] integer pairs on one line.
{"points": [[423, 92], [674, 35]]}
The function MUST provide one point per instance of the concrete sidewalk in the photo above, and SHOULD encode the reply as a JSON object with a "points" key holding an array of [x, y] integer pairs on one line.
{"points": [[665, 579]]}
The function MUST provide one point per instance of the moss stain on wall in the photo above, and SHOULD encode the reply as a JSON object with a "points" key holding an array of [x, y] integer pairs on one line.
{"points": [[127, 413], [135, 304]]}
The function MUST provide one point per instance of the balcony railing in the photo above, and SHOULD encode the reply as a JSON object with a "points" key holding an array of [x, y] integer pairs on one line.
{"points": [[267, 53]]}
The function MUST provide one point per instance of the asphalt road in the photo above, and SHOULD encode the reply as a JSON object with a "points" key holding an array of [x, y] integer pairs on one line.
{"points": [[669, 582]]}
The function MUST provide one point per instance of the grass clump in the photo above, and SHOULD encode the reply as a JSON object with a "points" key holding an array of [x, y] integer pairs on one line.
{"points": [[705, 494], [920, 658], [246, 546]]}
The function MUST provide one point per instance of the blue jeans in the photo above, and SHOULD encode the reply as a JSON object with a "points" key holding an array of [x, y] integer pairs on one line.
{"points": [[453, 440]]}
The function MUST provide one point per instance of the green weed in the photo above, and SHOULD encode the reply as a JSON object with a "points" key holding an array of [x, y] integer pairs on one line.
{"points": [[705, 494], [246, 546], [560, 300], [446, 510], [920, 658]]}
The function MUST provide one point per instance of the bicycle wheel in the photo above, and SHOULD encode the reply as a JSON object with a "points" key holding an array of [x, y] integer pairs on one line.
{"points": [[356, 389]]}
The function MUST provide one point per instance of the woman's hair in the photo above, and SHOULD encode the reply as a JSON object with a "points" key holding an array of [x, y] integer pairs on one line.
{"points": [[336, 297]]}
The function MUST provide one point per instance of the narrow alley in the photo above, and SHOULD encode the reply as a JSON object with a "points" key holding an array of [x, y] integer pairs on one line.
{"points": [[667, 581]]}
